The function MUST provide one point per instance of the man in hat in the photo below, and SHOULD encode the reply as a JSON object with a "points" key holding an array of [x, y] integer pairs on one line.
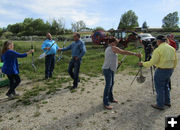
{"points": [[165, 59]]}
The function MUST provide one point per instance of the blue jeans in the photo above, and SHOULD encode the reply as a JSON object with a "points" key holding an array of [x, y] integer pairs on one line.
{"points": [[161, 80], [108, 94], [49, 65], [74, 64]]}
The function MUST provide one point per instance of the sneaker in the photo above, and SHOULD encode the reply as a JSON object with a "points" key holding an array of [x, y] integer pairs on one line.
{"points": [[10, 96], [15, 94], [72, 88]]}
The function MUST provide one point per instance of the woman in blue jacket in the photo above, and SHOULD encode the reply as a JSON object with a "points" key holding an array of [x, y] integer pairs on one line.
{"points": [[10, 66]]}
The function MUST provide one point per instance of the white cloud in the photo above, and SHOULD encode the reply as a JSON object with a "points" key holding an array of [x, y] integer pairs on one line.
{"points": [[73, 10], [167, 6], [89, 18]]}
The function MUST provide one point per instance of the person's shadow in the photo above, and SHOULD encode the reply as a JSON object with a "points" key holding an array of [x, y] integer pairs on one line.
{"points": [[69, 121]]}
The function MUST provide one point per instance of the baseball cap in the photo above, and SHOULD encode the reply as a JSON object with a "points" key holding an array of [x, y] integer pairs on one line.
{"points": [[161, 37]]}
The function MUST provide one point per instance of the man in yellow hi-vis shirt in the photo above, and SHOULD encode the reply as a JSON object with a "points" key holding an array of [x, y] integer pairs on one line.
{"points": [[165, 59]]}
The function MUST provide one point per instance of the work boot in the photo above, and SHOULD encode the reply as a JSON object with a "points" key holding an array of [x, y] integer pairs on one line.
{"points": [[108, 107], [169, 105], [156, 107]]}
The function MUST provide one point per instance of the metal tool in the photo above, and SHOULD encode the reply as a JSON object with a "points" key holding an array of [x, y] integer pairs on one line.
{"points": [[121, 61], [152, 78], [61, 54], [141, 78], [45, 53], [33, 65]]}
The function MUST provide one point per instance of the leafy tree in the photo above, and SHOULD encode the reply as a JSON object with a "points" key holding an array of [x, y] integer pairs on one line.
{"points": [[30, 26], [98, 29], [144, 25], [15, 28], [57, 26], [7, 34], [128, 20], [28, 29], [77, 26], [1, 31], [38, 27], [171, 21]]}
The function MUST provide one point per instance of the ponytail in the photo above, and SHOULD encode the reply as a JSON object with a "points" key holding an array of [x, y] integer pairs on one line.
{"points": [[5, 46]]}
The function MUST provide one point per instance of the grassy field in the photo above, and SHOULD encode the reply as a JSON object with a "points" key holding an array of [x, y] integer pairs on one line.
{"points": [[91, 66]]}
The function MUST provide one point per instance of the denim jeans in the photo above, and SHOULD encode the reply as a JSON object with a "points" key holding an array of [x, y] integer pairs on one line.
{"points": [[14, 80], [73, 70], [108, 94], [161, 80], [49, 65]]}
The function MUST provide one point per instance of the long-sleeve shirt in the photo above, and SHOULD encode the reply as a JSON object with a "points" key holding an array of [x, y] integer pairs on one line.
{"points": [[10, 61], [48, 43], [163, 57], [172, 43], [78, 49]]}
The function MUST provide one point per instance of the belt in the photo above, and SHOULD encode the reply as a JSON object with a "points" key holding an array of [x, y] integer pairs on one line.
{"points": [[50, 54], [165, 68]]}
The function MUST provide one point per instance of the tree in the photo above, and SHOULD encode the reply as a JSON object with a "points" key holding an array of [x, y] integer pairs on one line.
{"points": [[128, 20], [171, 21], [7, 34], [30, 26], [98, 29], [77, 26], [28, 29], [144, 25], [1, 31], [57, 26], [15, 28], [38, 27]]}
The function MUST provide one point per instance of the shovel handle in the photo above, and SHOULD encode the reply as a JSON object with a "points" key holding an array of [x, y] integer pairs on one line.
{"points": [[32, 47]]}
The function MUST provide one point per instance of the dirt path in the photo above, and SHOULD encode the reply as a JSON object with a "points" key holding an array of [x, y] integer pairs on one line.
{"points": [[83, 110]]}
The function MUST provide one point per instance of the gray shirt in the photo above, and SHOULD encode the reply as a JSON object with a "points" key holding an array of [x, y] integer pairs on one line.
{"points": [[111, 59]]}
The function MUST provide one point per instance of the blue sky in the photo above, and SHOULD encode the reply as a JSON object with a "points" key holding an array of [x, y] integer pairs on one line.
{"points": [[105, 13]]}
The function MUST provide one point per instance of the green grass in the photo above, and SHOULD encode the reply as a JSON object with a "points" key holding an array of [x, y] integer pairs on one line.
{"points": [[91, 65]]}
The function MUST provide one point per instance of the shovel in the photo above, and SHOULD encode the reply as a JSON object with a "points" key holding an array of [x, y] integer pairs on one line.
{"points": [[60, 57], [121, 61], [141, 78], [32, 47], [45, 53]]}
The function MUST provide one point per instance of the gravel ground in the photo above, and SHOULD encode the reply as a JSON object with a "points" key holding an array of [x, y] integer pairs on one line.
{"points": [[83, 109]]}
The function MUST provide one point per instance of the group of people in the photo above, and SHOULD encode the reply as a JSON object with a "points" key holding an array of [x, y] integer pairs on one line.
{"points": [[11, 68], [164, 58], [78, 50]]}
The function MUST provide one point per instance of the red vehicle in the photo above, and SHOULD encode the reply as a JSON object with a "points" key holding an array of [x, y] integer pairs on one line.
{"points": [[101, 38]]}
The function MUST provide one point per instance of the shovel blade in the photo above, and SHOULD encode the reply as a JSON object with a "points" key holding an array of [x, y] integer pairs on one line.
{"points": [[42, 55], [141, 79]]}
